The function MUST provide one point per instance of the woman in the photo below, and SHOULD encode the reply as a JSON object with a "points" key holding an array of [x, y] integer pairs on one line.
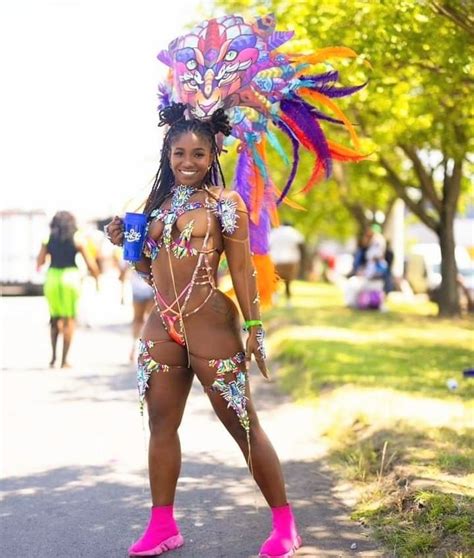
{"points": [[195, 329], [62, 286]]}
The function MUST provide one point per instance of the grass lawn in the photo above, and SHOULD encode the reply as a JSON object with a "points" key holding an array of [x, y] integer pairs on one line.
{"points": [[380, 382]]}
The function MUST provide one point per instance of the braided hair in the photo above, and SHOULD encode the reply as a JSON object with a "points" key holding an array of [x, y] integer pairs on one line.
{"points": [[174, 117]]}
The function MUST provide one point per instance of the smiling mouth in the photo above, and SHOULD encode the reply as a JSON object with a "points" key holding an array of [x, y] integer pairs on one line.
{"points": [[188, 173]]}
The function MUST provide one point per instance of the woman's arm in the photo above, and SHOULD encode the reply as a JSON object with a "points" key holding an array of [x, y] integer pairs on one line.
{"points": [[41, 257], [244, 280], [143, 268], [90, 262]]}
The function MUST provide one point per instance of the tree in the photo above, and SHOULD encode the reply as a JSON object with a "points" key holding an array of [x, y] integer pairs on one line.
{"points": [[416, 109], [457, 11]]}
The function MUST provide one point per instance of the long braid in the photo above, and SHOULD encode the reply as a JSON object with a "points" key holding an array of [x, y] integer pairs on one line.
{"points": [[178, 125]]}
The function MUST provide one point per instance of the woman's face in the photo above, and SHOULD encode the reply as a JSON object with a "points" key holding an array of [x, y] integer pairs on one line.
{"points": [[190, 159]]}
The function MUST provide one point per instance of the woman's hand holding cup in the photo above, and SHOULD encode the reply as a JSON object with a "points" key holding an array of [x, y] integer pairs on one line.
{"points": [[114, 231]]}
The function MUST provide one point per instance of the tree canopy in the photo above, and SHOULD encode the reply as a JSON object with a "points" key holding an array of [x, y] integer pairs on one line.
{"points": [[416, 112]]}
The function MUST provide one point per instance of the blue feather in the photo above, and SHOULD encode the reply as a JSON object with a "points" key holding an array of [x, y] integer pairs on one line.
{"points": [[277, 146]]}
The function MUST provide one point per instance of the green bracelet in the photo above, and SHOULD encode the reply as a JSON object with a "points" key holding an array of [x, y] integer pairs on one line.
{"points": [[249, 323]]}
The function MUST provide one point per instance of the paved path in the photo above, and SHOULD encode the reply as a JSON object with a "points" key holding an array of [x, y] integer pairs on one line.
{"points": [[73, 457]]}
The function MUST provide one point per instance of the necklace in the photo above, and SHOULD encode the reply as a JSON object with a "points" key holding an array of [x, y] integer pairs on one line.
{"points": [[193, 188]]}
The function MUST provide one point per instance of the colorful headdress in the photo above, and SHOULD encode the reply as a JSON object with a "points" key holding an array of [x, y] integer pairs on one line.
{"points": [[231, 64]]}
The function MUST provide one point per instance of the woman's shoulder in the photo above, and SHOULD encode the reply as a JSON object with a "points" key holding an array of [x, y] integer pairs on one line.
{"points": [[226, 204], [227, 197]]}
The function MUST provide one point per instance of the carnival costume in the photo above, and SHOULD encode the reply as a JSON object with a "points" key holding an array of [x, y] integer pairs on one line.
{"points": [[181, 244], [228, 64]]}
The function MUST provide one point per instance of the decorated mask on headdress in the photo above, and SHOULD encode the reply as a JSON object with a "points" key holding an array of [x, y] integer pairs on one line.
{"points": [[233, 64]]}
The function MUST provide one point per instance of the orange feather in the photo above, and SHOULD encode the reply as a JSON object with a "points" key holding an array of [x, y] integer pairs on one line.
{"points": [[316, 176], [288, 202], [322, 54], [266, 278], [341, 153]]}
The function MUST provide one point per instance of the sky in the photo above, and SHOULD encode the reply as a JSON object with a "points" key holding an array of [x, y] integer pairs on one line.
{"points": [[78, 112]]}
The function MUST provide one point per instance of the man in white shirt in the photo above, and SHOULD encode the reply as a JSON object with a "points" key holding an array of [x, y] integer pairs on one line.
{"points": [[286, 250]]}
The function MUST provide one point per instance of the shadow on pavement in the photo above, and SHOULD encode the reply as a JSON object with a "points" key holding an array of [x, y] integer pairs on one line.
{"points": [[84, 512]]}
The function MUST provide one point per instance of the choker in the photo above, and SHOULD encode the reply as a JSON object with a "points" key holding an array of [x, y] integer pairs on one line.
{"points": [[177, 186]]}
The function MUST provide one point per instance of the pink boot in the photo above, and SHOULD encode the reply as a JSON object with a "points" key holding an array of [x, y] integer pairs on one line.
{"points": [[162, 534], [284, 539]]}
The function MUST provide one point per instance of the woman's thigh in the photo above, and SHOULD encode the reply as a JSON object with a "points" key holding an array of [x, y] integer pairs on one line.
{"points": [[166, 397], [226, 382], [164, 376]]}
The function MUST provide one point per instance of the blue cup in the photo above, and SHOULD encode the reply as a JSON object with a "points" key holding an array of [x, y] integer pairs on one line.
{"points": [[134, 225]]}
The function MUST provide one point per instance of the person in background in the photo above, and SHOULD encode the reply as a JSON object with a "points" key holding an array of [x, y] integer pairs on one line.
{"points": [[375, 266], [62, 285], [143, 302], [367, 277], [287, 252], [92, 239], [389, 256], [360, 254]]}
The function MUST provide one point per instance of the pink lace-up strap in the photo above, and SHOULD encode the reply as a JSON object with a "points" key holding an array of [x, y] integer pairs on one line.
{"points": [[169, 307]]}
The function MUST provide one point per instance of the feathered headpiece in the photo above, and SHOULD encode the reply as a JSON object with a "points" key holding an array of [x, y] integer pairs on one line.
{"points": [[231, 64]]}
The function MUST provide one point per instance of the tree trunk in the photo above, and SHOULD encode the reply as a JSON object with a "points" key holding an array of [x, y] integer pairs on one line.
{"points": [[448, 297], [448, 303], [358, 214]]}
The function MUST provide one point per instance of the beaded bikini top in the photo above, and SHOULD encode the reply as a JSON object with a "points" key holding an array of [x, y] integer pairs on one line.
{"points": [[172, 313], [225, 211]]}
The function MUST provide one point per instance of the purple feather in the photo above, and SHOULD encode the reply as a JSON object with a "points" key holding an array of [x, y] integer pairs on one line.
{"points": [[164, 99], [335, 92], [296, 158], [318, 79], [304, 119], [242, 177], [242, 184], [259, 243], [320, 115]]}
